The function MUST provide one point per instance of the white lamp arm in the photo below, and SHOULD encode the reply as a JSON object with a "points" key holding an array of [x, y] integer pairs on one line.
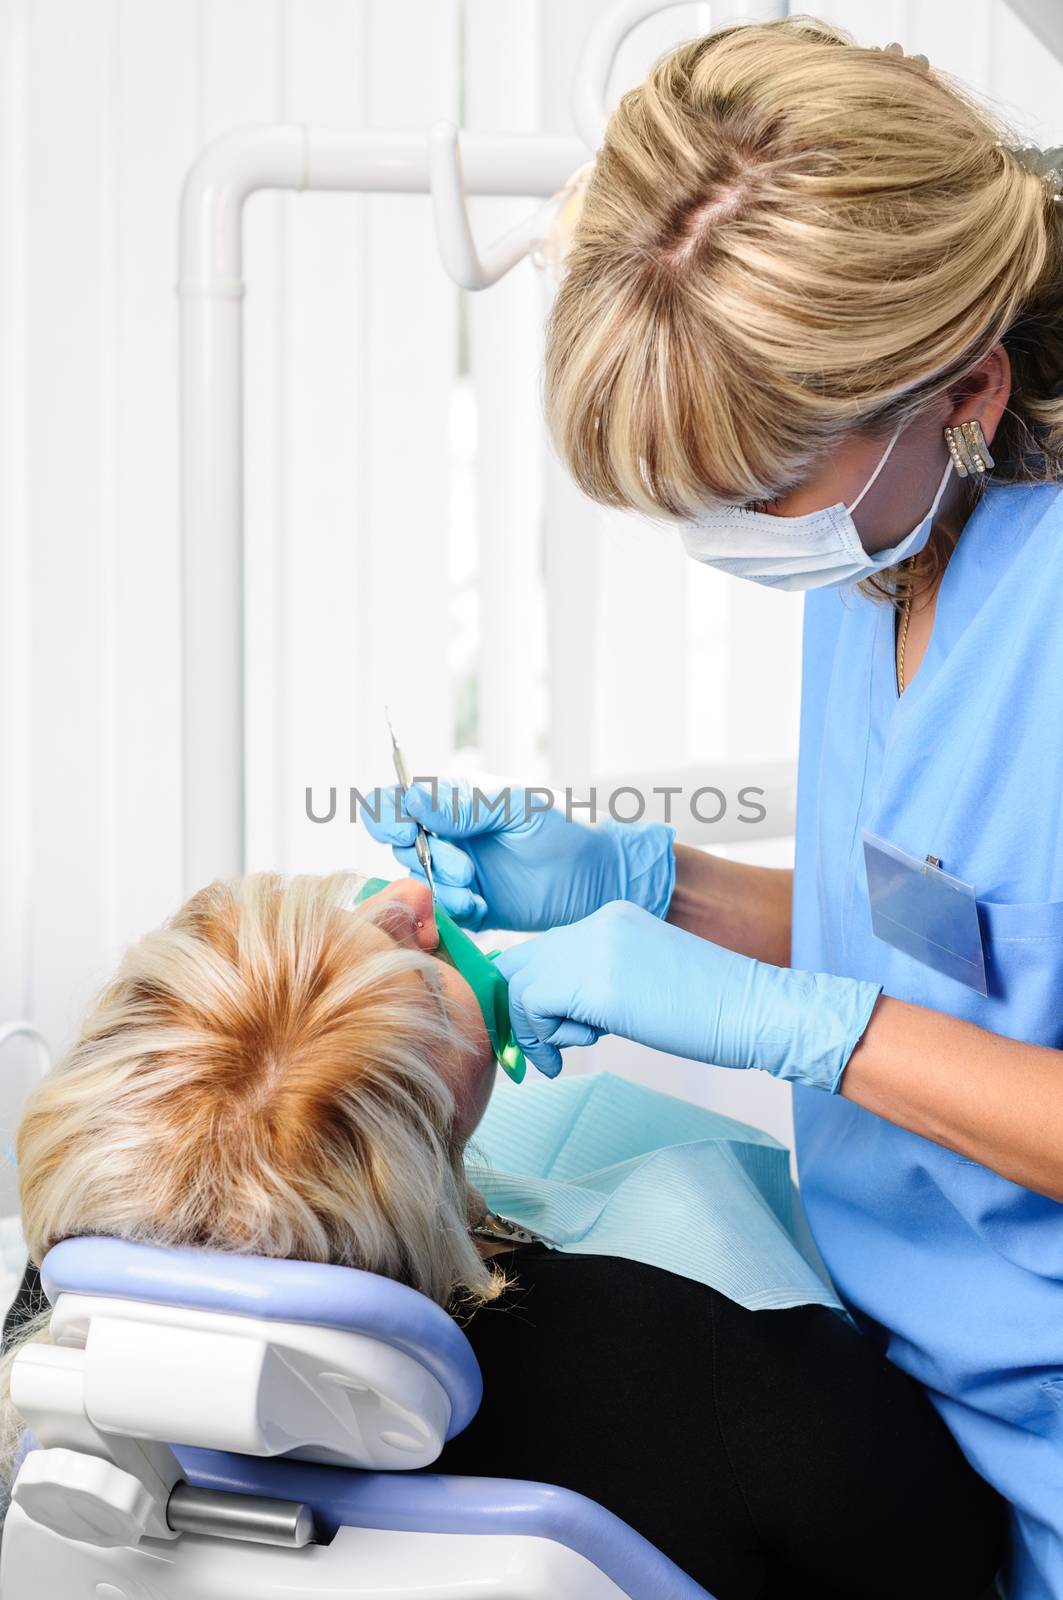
{"points": [[470, 268]]}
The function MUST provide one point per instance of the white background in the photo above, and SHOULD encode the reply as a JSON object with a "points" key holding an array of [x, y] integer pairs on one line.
{"points": [[409, 538]]}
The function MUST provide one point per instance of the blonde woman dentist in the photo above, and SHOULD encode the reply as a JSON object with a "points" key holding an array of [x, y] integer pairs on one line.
{"points": [[813, 314]]}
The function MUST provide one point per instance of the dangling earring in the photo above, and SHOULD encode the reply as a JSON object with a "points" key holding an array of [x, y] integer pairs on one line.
{"points": [[968, 448]]}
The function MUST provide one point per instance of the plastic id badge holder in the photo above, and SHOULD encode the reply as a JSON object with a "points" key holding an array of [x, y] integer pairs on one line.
{"points": [[924, 912]]}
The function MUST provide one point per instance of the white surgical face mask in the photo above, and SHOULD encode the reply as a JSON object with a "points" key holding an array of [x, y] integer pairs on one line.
{"points": [[820, 550]]}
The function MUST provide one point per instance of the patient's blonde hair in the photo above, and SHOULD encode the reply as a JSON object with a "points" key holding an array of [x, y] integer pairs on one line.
{"points": [[786, 239], [261, 1077]]}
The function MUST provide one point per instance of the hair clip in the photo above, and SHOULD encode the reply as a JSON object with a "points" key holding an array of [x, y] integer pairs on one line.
{"points": [[895, 49], [1044, 164]]}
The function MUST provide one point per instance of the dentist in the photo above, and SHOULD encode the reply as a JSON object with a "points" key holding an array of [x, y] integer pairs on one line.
{"points": [[813, 316]]}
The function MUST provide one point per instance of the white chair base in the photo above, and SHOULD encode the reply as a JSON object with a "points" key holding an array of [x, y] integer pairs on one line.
{"points": [[359, 1564]]}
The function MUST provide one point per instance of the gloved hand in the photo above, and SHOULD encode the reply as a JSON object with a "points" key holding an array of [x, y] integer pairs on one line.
{"points": [[622, 971], [532, 869]]}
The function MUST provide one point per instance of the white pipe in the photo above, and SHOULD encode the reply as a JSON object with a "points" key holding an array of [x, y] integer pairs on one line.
{"points": [[591, 83], [211, 333]]}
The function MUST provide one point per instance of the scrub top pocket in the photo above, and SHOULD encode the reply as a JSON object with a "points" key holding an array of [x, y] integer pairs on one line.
{"points": [[1023, 945]]}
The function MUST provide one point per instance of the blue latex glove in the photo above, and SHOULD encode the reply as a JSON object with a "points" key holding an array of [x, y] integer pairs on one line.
{"points": [[535, 870], [623, 971]]}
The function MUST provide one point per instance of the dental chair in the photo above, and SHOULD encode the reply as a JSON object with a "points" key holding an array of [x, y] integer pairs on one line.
{"points": [[207, 1426]]}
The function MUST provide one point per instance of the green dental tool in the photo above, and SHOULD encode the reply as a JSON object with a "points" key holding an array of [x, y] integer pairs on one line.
{"points": [[482, 976]]}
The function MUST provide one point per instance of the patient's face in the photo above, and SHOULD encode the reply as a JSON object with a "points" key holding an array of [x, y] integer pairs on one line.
{"points": [[469, 1070]]}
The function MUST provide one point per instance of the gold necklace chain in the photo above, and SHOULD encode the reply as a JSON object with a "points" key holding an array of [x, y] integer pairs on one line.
{"points": [[902, 640]]}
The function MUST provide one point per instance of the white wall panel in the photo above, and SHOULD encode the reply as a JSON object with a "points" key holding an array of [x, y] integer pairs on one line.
{"points": [[305, 659], [72, 461], [410, 353], [1026, 80], [957, 38], [155, 135], [15, 774], [16, 802], [572, 526], [502, 91]]}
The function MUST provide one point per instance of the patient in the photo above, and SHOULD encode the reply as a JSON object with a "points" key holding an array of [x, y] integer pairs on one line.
{"points": [[276, 1073]]}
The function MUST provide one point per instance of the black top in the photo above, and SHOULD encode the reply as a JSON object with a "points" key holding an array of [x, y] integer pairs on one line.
{"points": [[771, 1454]]}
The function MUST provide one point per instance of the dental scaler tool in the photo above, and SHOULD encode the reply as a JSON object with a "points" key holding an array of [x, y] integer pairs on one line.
{"points": [[402, 772]]}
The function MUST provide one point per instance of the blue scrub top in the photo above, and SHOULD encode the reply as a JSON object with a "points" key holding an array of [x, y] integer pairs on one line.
{"points": [[957, 1271]]}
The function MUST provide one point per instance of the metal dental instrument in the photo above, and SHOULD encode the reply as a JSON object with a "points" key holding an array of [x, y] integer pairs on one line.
{"points": [[402, 772]]}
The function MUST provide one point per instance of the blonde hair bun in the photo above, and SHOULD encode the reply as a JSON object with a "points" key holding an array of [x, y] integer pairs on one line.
{"points": [[787, 238]]}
